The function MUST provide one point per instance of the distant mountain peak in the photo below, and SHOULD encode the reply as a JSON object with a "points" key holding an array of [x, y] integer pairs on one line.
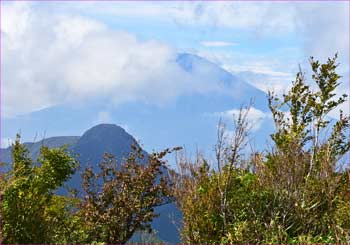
{"points": [[106, 126], [104, 138], [105, 130], [187, 61]]}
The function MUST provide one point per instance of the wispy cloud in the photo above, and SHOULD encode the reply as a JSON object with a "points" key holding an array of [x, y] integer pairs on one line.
{"points": [[217, 44], [217, 14], [255, 116], [264, 73]]}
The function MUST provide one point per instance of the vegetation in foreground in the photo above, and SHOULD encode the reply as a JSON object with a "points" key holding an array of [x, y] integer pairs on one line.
{"points": [[295, 192]]}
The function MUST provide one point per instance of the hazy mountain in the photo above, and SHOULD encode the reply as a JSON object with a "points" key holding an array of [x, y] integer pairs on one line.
{"points": [[189, 119]]}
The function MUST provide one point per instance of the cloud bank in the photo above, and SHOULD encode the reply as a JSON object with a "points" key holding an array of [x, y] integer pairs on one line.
{"points": [[66, 58], [70, 59], [57, 54]]}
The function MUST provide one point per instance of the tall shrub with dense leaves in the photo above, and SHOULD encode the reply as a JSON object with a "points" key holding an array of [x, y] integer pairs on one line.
{"points": [[309, 148], [27, 192]]}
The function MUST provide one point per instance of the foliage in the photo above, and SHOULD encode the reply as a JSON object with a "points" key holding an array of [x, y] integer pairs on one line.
{"points": [[27, 194], [120, 200], [295, 193]]}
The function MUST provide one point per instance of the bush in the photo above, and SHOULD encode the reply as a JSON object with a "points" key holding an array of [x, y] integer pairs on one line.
{"points": [[295, 193]]}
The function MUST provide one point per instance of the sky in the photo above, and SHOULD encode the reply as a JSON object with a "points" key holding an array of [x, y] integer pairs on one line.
{"points": [[67, 66]]}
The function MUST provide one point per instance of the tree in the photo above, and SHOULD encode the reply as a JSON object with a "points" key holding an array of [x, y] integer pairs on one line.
{"points": [[301, 128], [307, 155], [120, 199], [27, 192]]}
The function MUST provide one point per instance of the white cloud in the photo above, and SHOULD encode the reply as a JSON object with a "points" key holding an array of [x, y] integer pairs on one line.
{"points": [[66, 58], [255, 116], [217, 44], [69, 59]]}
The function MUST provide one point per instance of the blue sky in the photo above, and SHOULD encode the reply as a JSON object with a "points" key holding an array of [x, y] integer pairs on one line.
{"points": [[67, 66]]}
